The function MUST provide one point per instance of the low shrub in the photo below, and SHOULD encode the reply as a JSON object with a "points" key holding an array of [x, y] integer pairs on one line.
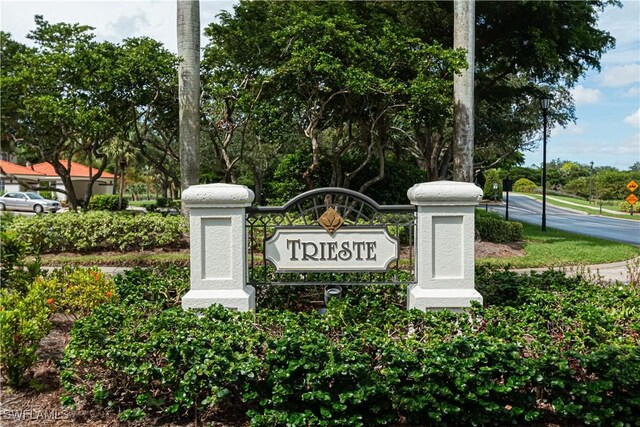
{"points": [[98, 230], [523, 185], [546, 348], [24, 321], [15, 273], [6, 219], [107, 202], [163, 286], [492, 228], [77, 291], [626, 207]]}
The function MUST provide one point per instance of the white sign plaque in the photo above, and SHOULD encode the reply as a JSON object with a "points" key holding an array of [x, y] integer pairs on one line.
{"points": [[315, 250]]}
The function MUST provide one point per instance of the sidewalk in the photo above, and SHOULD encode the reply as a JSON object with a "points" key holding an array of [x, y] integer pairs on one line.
{"points": [[617, 271], [596, 209], [111, 271]]}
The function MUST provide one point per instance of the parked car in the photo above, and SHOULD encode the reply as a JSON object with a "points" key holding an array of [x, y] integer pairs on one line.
{"points": [[18, 201]]}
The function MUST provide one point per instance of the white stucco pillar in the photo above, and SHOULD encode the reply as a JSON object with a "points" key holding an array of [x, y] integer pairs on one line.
{"points": [[445, 235], [218, 246]]}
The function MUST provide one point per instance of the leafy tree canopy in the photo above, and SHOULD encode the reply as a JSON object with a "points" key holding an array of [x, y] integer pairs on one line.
{"points": [[375, 77]]}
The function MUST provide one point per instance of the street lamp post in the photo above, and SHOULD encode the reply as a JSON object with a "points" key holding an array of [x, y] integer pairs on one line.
{"points": [[591, 183], [544, 105]]}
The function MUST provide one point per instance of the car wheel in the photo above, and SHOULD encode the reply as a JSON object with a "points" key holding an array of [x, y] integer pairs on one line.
{"points": [[2, 207], [38, 209]]}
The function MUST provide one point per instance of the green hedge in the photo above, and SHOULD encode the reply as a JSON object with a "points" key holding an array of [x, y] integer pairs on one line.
{"points": [[523, 185], [492, 228], [107, 202], [99, 230], [546, 349]]}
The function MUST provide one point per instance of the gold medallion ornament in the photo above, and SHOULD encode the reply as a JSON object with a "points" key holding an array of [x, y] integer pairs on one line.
{"points": [[330, 220]]}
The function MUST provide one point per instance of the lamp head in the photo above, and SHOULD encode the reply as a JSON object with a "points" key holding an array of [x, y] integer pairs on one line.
{"points": [[545, 102]]}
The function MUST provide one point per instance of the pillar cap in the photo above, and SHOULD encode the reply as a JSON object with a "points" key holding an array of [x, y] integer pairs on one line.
{"points": [[444, 193], [217, 195]]}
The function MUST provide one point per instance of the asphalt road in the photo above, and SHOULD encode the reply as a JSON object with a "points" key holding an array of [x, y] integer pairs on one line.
{"points": [[524, 209]]}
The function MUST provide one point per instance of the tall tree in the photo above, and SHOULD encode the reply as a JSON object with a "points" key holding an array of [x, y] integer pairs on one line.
{"points": [[339, 71], [11, 91], [189, 90], [365, 81], [151, 124], [65, 104], [522, 49]]}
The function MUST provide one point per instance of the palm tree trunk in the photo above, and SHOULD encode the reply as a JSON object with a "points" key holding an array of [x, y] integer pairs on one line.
{"points": [[464, 20], [189, 90], [121, 186]]}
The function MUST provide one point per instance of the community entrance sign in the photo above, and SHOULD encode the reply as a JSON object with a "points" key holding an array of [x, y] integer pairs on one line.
{"points": [[333, 236], [322, 233], [363, 249]]}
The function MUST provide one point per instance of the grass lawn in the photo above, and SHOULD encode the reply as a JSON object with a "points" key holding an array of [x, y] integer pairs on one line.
{"points": [[130, 259], [555, 248], [142, 202], [585, 206]]}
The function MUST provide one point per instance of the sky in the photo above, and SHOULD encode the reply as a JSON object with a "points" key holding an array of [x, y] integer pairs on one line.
{"points": [[607, 130]]}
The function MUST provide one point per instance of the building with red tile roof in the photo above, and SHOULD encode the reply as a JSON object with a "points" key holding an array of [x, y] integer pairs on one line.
{"points": [[77, 170], [8, 168], [15, 177]]}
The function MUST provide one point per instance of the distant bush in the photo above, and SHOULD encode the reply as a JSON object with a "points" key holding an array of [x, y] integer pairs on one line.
{"points": [[492, 176], [492, 228], [106, 202], [545, 349], [579, 187], [604, 184], [625, 206], [51, 195], [98, 230], [523, 185], [162, 202]]}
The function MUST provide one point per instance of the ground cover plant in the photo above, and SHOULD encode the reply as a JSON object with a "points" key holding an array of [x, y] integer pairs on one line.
{"points": [[544, 348]]}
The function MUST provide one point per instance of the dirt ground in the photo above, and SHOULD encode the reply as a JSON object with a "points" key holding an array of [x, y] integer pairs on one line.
{"points": [[40, 404], [499, 250]]}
